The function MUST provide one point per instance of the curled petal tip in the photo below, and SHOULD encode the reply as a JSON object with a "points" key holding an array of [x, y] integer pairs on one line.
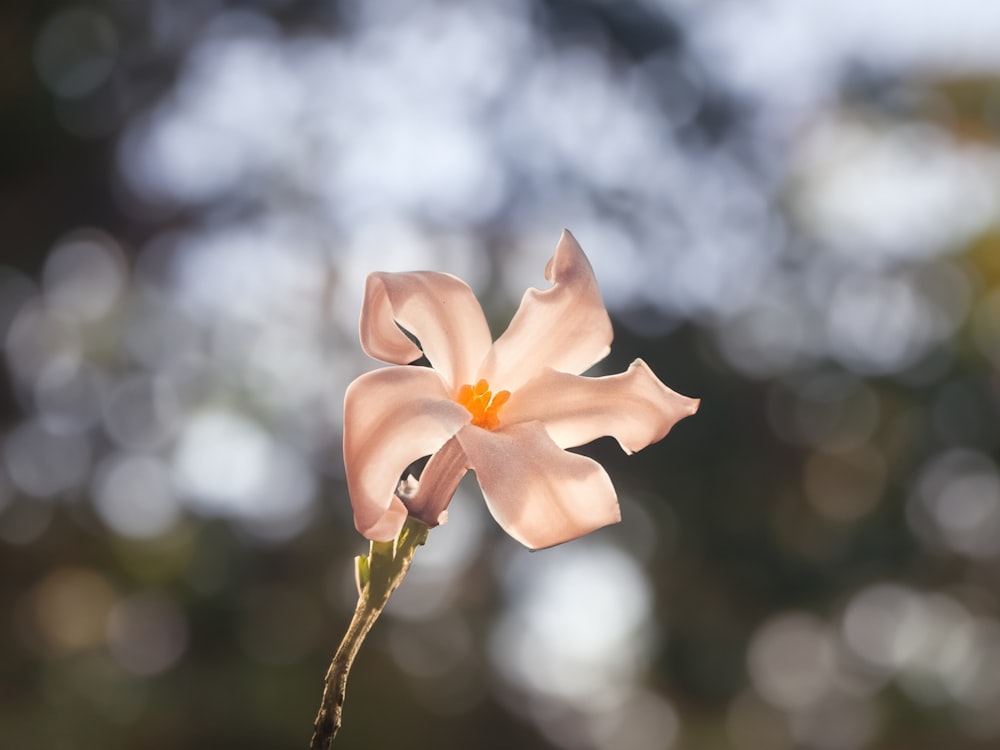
{"points": [[685, 403], [385, 528], [380, 336], [634, 407], [568, 259], [564, 327], [438, 309]]}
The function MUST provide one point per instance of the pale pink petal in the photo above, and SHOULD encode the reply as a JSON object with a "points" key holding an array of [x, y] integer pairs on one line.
{"points": [[392, 417], [633, 407], [540, 494], [388, 524], [565, 327], [438, 309]]}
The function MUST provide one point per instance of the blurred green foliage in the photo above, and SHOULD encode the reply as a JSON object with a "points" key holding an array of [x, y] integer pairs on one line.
{"points": [[763, 520]]}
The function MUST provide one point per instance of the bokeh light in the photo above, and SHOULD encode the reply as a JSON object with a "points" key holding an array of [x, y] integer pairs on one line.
{"points": [[793, 214]]}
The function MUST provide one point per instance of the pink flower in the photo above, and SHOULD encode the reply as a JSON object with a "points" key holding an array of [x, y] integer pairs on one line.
{"points": [[506, 409]]}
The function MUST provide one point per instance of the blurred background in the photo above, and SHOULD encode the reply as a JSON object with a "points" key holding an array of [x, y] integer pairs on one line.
{"points": [[794, 212]]}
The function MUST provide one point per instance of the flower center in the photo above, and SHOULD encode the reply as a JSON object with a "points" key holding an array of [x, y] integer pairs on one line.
{"points": [[482, 404]]}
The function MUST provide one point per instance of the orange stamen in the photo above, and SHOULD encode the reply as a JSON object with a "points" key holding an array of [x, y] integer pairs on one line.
{"points": [[482, 404]]}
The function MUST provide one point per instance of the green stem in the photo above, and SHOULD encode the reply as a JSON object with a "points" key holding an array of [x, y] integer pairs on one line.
{"points": [[379, 574]]}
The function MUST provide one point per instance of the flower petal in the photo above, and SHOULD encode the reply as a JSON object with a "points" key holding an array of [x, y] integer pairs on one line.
{"points": [[634, 407], [565, 327], [438, 309], [540, 494], [392, 417], [388, 525]]}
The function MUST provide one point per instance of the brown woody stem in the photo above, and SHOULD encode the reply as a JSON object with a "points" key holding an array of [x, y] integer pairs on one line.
{"points": [[379, 574]]}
